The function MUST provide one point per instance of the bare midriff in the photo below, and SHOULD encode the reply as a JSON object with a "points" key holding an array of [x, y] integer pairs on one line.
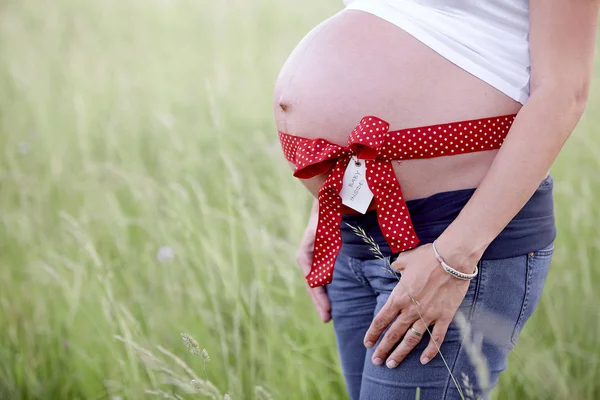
{"points": [[356, 64]]}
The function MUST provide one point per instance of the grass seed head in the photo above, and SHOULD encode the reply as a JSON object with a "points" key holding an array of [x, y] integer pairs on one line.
{"points": [[205, 356], [191, 344]]}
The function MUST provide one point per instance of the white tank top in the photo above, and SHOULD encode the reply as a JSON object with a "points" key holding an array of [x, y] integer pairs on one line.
{"points": [[487, 38]]}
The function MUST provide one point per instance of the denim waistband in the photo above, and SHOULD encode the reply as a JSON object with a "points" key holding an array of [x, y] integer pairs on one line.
{"points": [[532, 228]]}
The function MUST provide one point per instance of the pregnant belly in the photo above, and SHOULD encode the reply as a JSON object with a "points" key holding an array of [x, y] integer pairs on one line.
{"points": [[355, 64]]}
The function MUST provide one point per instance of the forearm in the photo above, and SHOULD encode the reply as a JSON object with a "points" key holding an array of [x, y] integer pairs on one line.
{"points": [[533, 143]]}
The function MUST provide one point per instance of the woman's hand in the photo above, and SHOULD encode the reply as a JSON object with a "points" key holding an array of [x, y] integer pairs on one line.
{"points": [[425, 287], [304, 259]]}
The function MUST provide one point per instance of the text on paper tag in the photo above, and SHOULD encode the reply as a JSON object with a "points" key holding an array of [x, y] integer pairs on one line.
{"points": [[355, 192]]}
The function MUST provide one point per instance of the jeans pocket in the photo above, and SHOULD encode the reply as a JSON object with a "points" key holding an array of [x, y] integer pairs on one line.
{"points": [[380, 275], [538, 265]]}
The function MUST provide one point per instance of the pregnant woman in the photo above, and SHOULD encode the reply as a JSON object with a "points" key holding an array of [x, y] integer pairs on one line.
{"points": [[429, 128]]}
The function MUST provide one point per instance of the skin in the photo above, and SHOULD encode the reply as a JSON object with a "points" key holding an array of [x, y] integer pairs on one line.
{"points": [[562, 35]]}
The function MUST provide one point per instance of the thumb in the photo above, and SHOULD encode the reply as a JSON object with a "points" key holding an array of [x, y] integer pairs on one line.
{"points": [[400, 263], [322, 298], [323, 304]]}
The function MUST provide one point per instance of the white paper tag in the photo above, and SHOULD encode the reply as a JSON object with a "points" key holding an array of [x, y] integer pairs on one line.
{"points": [[355, 192]]}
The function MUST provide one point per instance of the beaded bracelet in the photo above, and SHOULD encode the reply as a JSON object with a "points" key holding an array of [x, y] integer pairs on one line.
{"points": [[452, 271]]}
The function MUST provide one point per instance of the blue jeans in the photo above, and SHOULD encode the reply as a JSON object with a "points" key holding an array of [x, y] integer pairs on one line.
{"points": [[498, 303]]}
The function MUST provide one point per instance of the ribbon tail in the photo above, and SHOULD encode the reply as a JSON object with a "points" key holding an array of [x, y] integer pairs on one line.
{"points": [[328, 238], [392, 212]]}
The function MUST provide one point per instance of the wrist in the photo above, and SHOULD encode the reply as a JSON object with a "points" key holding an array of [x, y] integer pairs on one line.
{"points": [[462, 255], [464, 276]]}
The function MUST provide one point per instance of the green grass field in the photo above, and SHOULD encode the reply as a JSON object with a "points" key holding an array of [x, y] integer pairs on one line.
{"points": [[131, 126]]}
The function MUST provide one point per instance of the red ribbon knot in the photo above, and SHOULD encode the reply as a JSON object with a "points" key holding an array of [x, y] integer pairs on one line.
{"points": [[318, 156], [372, 142]]}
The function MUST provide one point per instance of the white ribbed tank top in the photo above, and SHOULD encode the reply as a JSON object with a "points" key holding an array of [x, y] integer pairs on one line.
{"points": [[487, 38]]}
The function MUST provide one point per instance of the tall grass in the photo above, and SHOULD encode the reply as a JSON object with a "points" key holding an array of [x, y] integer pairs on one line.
{"points": [[143, 194]]}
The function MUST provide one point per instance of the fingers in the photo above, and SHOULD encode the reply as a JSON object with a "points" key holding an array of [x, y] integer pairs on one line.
{"points": [[392, 307], [321, 300], [391, 338], [318, 295], [400, 264], [412, 338], [304, 260], [438, 334]]}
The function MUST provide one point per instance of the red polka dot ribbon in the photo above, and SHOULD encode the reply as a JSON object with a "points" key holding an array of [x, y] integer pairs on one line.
{"points": [[372, 141]]}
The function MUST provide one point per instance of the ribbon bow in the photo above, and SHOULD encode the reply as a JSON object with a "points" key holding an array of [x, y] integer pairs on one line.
{"points": [[372, 142], [318, 156]]}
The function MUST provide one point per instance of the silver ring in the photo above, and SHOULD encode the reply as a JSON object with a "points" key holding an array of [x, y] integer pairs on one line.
{"points": [[416, 332]]}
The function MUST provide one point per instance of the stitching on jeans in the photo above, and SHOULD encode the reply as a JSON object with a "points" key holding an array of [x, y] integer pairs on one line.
{"points": [[359, 278], [528, 273], [449, 379], [478, 284], [478, 291]]}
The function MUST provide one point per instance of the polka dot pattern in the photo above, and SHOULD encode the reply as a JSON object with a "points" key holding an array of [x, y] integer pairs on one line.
{"points": [[392, 214], [372, 141], [446, 139]]}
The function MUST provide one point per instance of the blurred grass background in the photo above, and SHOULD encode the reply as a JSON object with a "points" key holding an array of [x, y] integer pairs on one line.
{"points": [[143, 194]]}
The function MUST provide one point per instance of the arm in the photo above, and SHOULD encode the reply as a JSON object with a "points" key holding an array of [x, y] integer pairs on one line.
{"points": [[304, 258], [562, 37]]}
